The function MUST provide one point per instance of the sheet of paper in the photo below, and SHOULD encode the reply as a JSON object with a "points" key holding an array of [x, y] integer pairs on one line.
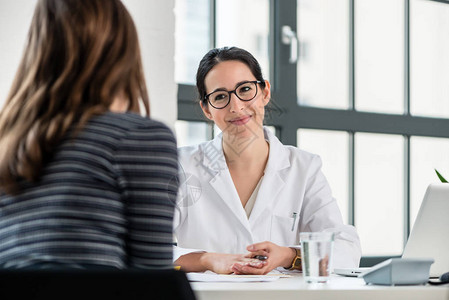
{"points": [[213, 277]]}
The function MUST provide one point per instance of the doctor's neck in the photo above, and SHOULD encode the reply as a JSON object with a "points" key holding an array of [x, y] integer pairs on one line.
{"points": [[245, 150]]}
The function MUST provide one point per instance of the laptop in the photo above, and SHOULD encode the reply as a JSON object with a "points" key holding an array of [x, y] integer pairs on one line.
{"points": [[429, 237]]}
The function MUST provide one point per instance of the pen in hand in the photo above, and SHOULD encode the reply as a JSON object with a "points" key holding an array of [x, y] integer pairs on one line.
{"points": [[260, 257], [260, 261]]}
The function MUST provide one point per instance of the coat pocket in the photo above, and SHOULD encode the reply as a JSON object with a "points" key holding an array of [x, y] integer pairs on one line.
{"points": [[284, 230]]}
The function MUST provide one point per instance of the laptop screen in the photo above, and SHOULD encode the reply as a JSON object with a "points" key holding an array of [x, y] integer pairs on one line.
{"points": [[429, 237]]}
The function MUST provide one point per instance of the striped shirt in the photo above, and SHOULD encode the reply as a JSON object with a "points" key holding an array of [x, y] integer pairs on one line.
{"points": [[105, 199]]}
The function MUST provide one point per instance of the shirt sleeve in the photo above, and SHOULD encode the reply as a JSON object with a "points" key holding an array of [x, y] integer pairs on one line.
{"points": [[147, 166], [179, 219], [321, 213]]}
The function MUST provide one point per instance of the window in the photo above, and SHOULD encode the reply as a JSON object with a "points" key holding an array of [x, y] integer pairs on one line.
{"points": [[323, 27], [191, 133], [370, 80], [192, 35], [333, 148], [379, 55], [429, 60], [379, 192], [244, 24]]}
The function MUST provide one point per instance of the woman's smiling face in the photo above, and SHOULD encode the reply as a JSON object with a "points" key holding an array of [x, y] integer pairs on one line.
{"points": [[238, 116]]}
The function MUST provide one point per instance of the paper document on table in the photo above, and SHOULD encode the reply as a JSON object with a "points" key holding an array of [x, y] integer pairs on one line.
{"points": [[213, 277]]}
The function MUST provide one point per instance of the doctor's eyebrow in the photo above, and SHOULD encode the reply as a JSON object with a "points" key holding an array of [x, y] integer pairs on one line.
{"points": [[224, 89]]}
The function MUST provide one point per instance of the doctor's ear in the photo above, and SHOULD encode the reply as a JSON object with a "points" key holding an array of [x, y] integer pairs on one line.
{"points": [[266, 91], [206, 111]]}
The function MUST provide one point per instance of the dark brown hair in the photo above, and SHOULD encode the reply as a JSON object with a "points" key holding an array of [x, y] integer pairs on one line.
{"points": [[80, 56]]}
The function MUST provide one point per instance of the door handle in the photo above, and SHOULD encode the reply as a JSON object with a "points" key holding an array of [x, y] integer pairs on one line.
{"points": [[289, 38]]}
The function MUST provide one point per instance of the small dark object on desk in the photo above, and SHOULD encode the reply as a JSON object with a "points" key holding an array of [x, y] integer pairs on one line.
{"points": [[260, 257], [444, 279]]}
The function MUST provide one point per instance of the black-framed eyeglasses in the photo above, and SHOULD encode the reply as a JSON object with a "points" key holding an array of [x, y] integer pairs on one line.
{"points": [[245, 91]]}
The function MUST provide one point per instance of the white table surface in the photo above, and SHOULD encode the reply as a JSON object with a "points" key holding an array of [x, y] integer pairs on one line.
{"points": [[295, 287]]}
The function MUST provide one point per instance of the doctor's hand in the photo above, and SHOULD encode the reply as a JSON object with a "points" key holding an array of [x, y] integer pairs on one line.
{"points": [[277, 256], [222, 263]]}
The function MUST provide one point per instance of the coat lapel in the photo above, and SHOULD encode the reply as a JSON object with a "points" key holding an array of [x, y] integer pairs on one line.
{"points": [[222, 182], [273, 181]]}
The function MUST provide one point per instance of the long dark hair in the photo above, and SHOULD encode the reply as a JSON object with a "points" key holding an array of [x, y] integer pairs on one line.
{"points": [[80, 56], [217, 55]]}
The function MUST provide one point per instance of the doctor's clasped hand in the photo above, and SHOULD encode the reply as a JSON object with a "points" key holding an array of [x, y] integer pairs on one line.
{"points": [[220, 263], [275, 256]]}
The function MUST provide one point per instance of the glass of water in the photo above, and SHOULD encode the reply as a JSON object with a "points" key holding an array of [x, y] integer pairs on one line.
{"points": [[316, 252]]}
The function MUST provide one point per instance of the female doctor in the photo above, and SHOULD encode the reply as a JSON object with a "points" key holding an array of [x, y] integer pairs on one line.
{"points": [[244, 193]]}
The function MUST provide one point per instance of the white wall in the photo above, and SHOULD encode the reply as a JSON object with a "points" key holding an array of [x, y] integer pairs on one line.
{"points": [[15, 18], [155, 23]]}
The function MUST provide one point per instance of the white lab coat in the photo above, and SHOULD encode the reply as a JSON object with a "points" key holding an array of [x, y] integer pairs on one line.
{"points": [[211, 217]]}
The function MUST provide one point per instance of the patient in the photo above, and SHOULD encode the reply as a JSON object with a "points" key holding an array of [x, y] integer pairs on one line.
{"points": [[85, 180]]}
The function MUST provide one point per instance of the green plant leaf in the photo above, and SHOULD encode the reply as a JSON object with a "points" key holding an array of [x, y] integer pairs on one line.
{"points": [[441, 177]]}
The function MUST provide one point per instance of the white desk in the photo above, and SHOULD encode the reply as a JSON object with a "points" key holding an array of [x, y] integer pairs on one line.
{"points": [[339, 287]]}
